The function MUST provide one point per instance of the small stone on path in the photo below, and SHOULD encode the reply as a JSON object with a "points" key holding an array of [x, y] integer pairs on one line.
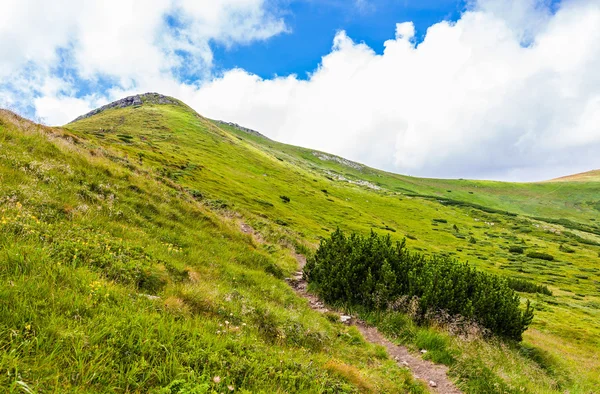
{"points": [[150, 297]]}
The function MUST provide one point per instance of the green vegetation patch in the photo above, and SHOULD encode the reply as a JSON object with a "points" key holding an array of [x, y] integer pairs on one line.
{"points": [[541, 256], [525, 286], [375, 273]]}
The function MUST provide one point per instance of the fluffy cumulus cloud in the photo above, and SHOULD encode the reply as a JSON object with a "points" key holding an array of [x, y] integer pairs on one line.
{"points": [[49, 50], [509, 91]]}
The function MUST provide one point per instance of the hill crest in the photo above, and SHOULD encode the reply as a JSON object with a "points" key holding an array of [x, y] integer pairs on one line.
{"points": [[588, 176], [134, 101], [160, 99]]}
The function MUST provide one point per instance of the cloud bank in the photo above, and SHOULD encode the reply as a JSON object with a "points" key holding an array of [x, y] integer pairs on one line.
{"points": [[60, 57], [509, 91]]}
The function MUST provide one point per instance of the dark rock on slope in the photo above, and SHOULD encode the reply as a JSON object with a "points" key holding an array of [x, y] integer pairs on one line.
{"points": [[134, 101]]}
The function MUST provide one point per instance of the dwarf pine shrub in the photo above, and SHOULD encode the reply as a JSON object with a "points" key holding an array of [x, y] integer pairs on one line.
{"points": [[540, 255], [527, 287], [516, 249], [373, 272]]}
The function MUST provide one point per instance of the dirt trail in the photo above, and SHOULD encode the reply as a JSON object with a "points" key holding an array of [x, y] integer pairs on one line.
{"points": [[434, 375]]}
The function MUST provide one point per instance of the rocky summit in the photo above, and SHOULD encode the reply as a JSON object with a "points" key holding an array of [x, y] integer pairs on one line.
{"points": [[133, 101]]}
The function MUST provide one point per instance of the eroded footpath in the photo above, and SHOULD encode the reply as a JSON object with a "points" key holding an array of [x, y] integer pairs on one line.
{"points": [[434, 375]]}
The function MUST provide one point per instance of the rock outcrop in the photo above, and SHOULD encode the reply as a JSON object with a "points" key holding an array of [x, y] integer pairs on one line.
{"points": [[241, 128], [340, 160], [133, 101]]}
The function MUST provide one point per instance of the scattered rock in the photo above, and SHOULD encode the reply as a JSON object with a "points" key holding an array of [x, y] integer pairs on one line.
{"points": [[244, 129], [150, 297], [359, 182], [133, 101], [345, 319], [423, 351], [432, 383], [337, 159]]}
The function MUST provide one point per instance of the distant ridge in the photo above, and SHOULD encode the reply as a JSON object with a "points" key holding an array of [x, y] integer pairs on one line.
{"points": [[588, 176], [134, 101]]}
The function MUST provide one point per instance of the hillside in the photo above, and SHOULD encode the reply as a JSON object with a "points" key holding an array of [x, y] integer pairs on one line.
{"points": [[130, 219], [589, 176]]}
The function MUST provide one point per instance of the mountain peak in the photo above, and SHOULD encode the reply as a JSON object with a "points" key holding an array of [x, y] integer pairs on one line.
{"points": [[133, 101]]}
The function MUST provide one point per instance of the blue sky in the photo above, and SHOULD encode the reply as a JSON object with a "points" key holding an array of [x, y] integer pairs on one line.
{"points": [[486, 89], [312, 24]]}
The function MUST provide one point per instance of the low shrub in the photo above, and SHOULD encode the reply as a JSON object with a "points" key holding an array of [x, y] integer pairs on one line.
{"points": [[541, 256], [281, 222], [516, 249], [565, 249], [374, 273], [527, 287]]}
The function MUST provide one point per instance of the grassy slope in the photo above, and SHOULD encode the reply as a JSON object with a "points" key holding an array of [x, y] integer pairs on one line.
{"points": [[566, 325], [589, 176], [578, 201], [249, 173], [242, 175], [85, 244]]}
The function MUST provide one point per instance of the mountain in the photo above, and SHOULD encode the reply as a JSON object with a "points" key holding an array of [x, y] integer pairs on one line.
{"points": [[145, 249]]}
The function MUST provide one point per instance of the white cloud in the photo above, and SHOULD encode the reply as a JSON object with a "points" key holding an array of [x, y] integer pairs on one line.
{"points": [[53, 110], [130, 43], [509, 91]]}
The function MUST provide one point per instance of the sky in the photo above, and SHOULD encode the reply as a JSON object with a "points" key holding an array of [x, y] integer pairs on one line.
{"points": [[482, 89]]}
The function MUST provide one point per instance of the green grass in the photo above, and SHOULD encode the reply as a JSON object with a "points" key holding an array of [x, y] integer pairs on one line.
{"points": [[182, 180], [113, 282]]}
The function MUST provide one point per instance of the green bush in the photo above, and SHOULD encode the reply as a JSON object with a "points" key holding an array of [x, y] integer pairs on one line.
{"points": [[527, 287], [541, 256], [373, 272], [565, 249], [516, 249]]}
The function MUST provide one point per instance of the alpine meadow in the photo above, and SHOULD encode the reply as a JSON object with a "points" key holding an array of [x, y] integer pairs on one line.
{"points": [[145, 248]]}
